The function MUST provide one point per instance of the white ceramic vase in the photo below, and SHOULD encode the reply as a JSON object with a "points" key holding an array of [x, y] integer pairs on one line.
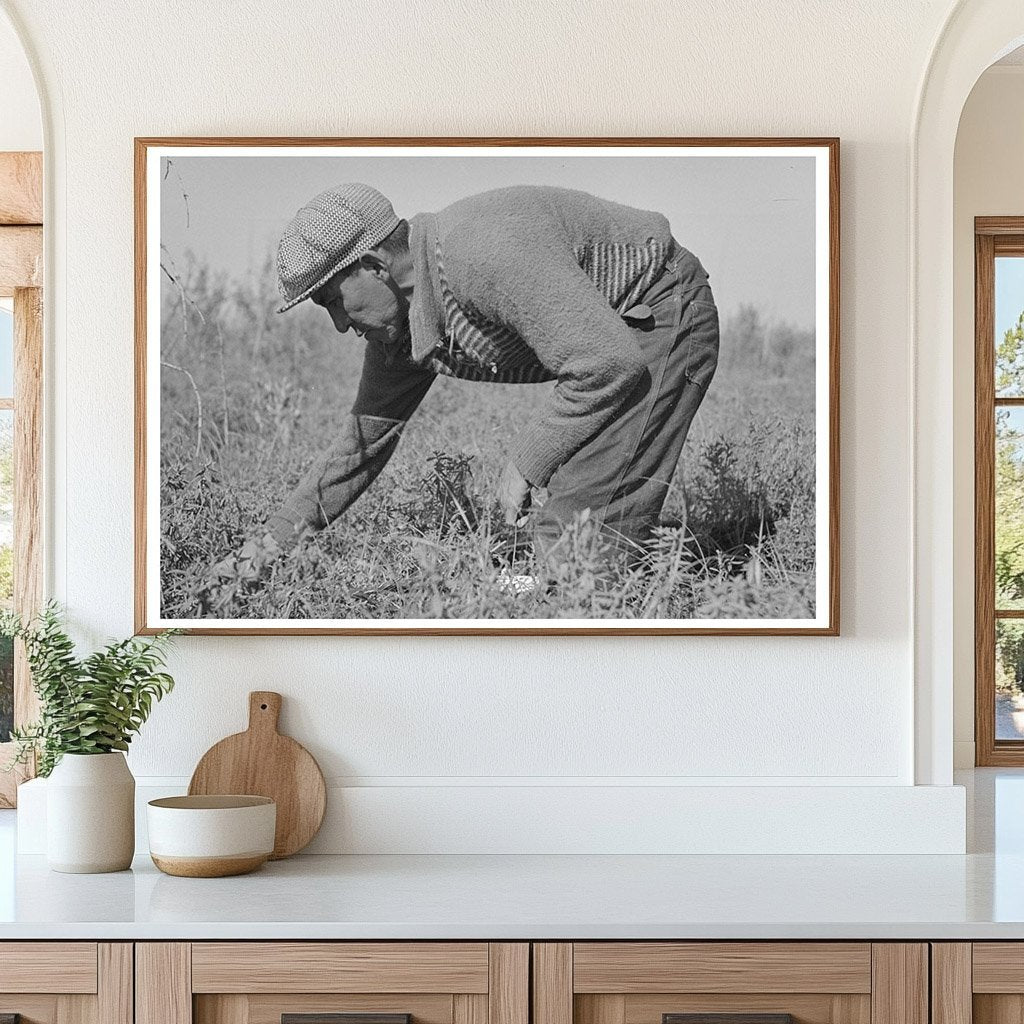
{"points": [[90, 814]]}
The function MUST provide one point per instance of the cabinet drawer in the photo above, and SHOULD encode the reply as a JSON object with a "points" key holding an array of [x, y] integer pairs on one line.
{"points": [[751, 967], [332, 983], [64, 967], [998, 967], [340, 967], [981, 982], [66, 982], [642, 982], [730, 983]]}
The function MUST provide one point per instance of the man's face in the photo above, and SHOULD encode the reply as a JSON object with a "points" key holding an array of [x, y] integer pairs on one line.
{"points": [[364, 298]]}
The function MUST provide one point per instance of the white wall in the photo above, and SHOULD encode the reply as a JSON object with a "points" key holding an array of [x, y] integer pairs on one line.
{"points": [[21, 127], [454, 712], [987, 181]]}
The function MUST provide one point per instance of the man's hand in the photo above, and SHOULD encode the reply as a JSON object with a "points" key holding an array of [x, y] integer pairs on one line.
{"points": [[513, 494], [239, 572], [247, 564]]}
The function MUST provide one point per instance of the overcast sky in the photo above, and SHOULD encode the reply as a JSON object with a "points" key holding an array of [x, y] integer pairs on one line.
{"points": [[1009, 294], [750, 219]]}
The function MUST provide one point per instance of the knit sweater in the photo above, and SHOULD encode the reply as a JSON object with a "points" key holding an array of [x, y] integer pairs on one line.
{"points": [[517, 285]]}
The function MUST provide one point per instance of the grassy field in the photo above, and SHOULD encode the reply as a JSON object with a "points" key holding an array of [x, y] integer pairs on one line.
{"points": [[249, 398]]}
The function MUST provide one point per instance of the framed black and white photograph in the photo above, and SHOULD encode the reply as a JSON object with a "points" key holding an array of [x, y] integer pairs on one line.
{"points": [[504, 386]]}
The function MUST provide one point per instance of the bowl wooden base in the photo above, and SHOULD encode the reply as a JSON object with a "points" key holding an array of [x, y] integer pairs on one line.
{"points": [[209, 867]]}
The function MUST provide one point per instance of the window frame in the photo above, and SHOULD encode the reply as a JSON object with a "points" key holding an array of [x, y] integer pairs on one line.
{"points": [[993, 237], [21, 273]]}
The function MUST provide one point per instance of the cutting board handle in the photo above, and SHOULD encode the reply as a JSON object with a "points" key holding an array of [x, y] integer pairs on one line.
{"points": [[264, 710]]}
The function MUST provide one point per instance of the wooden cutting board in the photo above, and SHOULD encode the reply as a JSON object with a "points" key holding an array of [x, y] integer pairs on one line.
{"points": [[262, 762]]}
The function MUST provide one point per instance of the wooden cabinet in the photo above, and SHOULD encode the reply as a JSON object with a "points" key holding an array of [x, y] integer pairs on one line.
{"points": [[66, 982], [494, 983], [264, 982], [978, 983], [753, 982]]}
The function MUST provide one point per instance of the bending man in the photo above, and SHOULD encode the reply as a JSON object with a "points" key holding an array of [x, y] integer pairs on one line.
{"points": [[517, 285]]}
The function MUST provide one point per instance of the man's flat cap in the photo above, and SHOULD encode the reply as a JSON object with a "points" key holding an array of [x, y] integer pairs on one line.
{"points": [[328, 234]]}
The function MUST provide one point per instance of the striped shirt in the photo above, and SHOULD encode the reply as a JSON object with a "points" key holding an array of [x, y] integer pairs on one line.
{"points": [[478, 348]]}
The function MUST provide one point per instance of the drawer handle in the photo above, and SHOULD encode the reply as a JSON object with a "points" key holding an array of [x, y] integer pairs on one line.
{"points": [[339, 1018], [727, 1018]]}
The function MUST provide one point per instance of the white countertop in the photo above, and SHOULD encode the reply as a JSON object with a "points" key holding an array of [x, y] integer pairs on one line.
{"points": [[977, 896], [496, 897]]}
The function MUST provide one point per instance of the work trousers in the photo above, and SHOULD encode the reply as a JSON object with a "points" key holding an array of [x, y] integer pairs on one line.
{"points": [[622, 475]]}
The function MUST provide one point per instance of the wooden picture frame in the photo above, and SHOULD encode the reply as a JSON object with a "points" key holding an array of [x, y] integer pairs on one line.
{"points": [[158, 167]]}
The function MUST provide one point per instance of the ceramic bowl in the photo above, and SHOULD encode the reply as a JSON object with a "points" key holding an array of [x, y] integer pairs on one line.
{"points": [[211, 836]]}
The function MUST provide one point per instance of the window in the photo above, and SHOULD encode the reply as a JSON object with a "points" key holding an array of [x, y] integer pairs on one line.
{"points": [[20, 502], [999, 490], [21, 364]]}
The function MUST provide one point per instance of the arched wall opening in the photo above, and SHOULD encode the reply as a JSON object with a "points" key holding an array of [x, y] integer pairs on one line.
{"points": [[989, 153], [976, 34]]}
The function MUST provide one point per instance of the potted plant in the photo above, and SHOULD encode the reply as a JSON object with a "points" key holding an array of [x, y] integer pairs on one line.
{"points": [[89, 710]]}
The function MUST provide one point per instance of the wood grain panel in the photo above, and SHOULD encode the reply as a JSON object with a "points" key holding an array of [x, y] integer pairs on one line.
{"points": [[21, 259], [998, 225], [33, 1009], [834, 278], [998, 1009], [64, 967], [339, 967], [508, 992], [229, 1009], [115, 983], [552, 983], [469, 1009], [163, 983], [21, 188], [951, 983], [76, 1009], [998, 967], [899, 991], [851, 1009], [604, 1009], [984, 502], [141, 375], [267, 1009], [805, 1008], [635, 967]]}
